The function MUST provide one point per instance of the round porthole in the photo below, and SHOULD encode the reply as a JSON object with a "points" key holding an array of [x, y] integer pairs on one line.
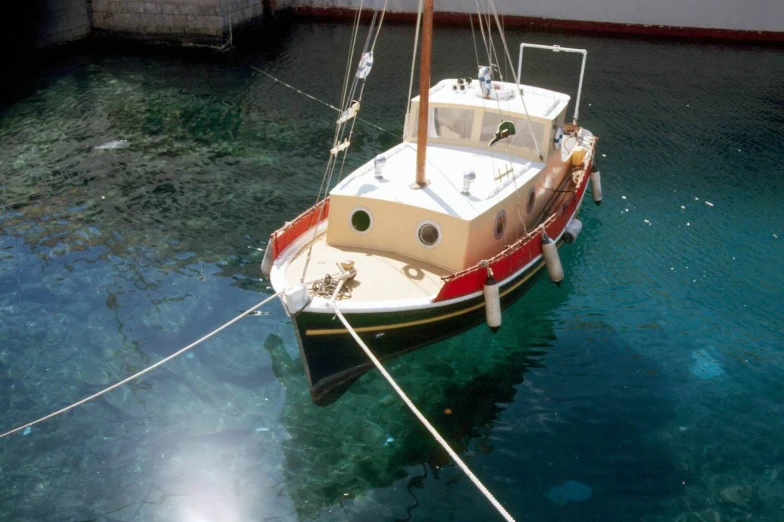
{"points": [[361, 220], [500, 224], [428, 234], [529, 206]]}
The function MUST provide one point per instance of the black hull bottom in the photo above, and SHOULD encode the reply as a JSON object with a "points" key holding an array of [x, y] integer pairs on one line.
{"points": [[333, 360]]}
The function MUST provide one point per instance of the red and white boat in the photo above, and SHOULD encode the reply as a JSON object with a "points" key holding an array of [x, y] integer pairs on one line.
{"points": [[439, 233]]}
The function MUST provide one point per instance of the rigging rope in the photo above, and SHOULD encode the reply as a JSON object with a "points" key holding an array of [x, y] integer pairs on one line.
{"points": [[139, 374], [516, 79], [340, 128], [421, 417], [413, 66], [490, 48], [322, 102]]}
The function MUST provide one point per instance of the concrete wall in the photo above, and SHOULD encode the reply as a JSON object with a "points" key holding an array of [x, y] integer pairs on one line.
{"points": [[61, 21], [728, 15]]}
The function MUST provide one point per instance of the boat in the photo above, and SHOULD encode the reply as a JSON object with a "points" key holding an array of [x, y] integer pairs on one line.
{"points": [[441, 232]]}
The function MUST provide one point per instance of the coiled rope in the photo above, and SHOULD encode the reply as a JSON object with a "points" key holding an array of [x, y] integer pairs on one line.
{"points": [[139, 374], [421, 417], [327, 286]]}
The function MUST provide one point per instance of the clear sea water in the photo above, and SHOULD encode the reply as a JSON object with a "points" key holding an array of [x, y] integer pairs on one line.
{"points": [[648, 387]]}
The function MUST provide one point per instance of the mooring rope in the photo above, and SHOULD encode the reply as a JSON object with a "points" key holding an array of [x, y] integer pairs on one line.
{"points": [[421, 417], [139, 374]]}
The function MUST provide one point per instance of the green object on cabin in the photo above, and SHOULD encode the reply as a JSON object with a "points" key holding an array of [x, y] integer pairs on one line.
{"points": [[505, 129]]}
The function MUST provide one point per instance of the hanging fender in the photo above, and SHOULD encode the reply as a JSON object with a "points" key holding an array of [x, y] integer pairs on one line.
{"points": [[492, 302], [557, 138], [596, 184], [573, 229], [485, 81], [551, 260]]}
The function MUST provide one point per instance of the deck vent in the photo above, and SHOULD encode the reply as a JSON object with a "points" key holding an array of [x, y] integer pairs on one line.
{"points": [[379, 163], [468, 177]]}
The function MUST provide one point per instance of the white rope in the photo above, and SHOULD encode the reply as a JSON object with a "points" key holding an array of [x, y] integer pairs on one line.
{"points": [[340, 130], [413, 66], [516, 79], [139, 374], [421, 417], [322, 102]]}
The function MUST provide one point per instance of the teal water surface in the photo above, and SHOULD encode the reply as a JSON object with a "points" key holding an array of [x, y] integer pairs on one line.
{"points": [[647, 387]]}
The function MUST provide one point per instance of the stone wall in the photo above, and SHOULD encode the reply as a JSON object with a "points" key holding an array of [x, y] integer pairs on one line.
{"points": [[198, 21], [61, 21], [245, 10]]}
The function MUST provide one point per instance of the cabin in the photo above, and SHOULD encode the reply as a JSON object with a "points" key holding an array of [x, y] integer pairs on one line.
{"points": [[480, 196]]}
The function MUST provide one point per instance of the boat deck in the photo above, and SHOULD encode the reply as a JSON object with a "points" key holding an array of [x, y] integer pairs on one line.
{"points": [[379, 276]]}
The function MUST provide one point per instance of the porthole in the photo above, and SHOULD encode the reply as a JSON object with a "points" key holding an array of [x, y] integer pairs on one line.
{"points": [[500, 224], [361, 220], [428, 233], [529, 206]]}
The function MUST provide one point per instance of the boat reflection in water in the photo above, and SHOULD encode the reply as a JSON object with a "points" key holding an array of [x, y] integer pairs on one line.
{"points": [[368, 439]]}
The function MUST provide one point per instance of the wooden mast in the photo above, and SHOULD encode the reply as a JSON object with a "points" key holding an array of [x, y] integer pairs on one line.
{"points": [[424, 92]]}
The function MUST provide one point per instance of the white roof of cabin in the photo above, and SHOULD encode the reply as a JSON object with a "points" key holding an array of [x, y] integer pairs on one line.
{"points": [[539, 103], [446, 165]]}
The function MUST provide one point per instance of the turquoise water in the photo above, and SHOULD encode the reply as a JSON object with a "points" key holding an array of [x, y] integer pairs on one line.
{"points": [[648, 387]]}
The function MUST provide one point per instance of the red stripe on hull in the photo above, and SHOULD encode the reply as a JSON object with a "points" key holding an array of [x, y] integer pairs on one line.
{"points": [[343, 13], [510, 261], [283, 237]]}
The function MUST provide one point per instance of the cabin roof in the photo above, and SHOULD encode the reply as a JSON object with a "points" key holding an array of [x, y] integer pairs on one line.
{"points": [[539, 103], [445, 167]]}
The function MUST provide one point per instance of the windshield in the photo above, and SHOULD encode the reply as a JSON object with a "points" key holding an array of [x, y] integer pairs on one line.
{"points": [[449, 123], [523, 136]]}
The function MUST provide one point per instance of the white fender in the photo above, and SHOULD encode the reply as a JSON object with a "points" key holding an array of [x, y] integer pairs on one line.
{"points": [[492, 303], [485, 81], [573, 229], [551, 260], [365, 65], [596, 185]]}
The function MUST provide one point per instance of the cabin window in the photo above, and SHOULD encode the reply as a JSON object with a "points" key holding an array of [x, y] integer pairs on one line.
{"points": [[453, 124], [361, 220], [428, 233], [522, 137], [449, 123], [529, 206], [500, 224]]}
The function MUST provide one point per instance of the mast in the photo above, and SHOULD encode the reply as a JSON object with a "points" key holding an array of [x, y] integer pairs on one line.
{"points": [[424, 92]]}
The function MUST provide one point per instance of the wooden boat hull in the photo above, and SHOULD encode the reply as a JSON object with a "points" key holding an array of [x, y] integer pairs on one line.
{"points": [[333, 360]]}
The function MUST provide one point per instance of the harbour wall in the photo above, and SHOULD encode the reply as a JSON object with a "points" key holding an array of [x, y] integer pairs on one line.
{"points": [[32, 24], [185, 21], [758, 20], [43, 23], [62, 21]]}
